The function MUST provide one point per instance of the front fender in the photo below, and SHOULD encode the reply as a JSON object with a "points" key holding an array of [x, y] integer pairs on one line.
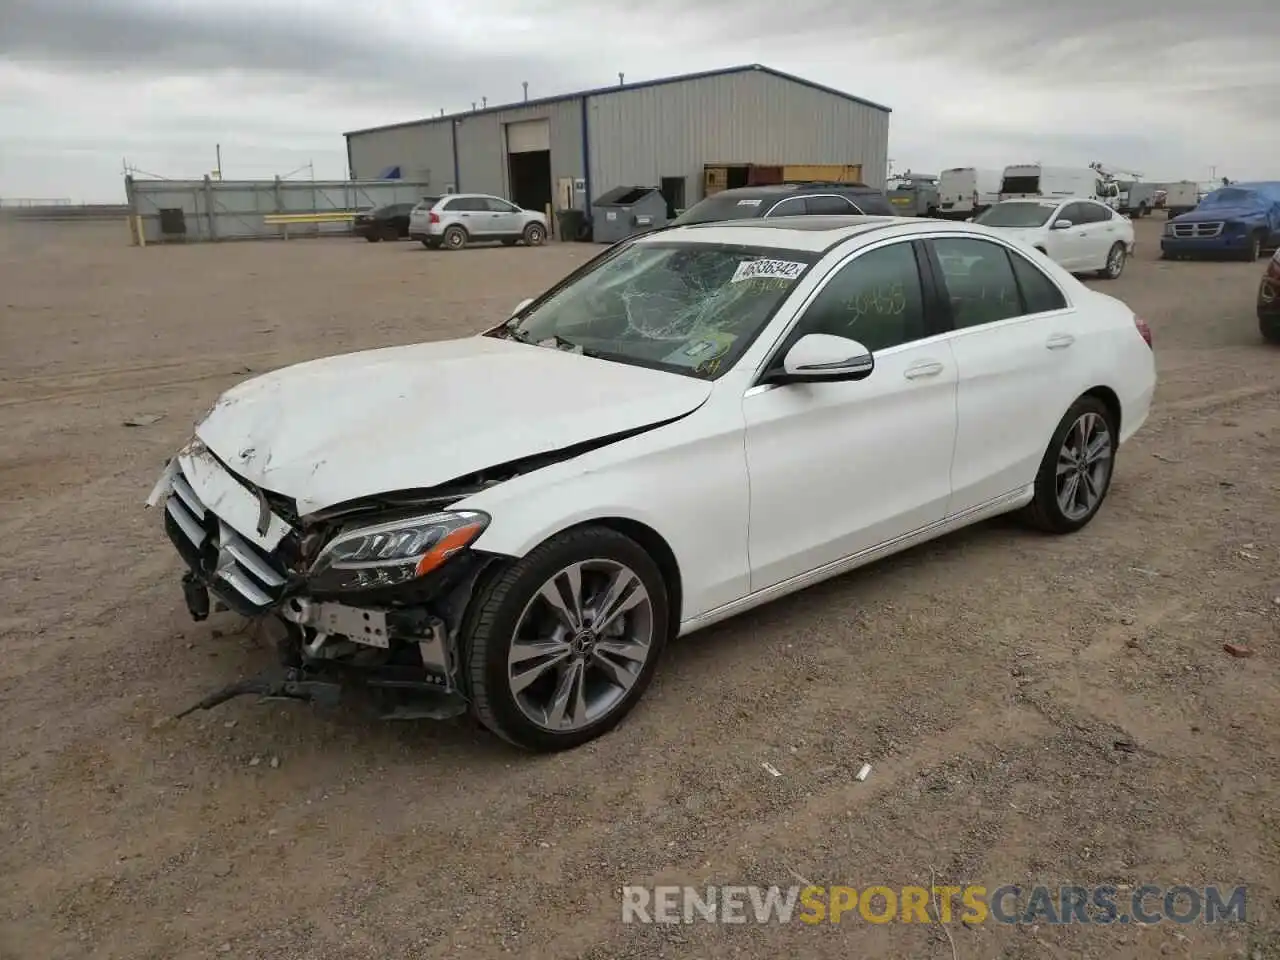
{"points": [[687, 481]]}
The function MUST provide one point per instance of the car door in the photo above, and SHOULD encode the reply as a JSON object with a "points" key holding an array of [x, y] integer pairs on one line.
{"points": [[839, 468], [504, 218], [472, 213], [1069, 248], [1104, 229], [1017, 373]]}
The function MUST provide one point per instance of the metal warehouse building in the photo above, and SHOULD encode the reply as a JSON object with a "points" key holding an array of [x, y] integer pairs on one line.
{"points": [[570, 150]]}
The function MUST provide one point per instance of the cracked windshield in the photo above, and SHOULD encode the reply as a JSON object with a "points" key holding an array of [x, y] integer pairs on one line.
{"points": [[683, 307]]}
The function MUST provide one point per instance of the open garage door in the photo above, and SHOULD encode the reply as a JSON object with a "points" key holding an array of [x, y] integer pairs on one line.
{"points": [[529, 136], [529, 163]]}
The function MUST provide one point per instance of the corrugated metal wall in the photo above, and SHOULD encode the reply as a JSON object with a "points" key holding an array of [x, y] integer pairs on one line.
{"points": [[671, 130], [482, 148], [423, 151], [233, 209]]}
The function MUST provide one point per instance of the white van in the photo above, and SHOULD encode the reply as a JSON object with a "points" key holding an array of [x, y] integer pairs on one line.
{"points": [[1033, 180], [965, 192]]}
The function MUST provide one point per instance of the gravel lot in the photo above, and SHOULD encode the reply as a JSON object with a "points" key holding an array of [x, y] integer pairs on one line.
{"points": [[987, 678]]}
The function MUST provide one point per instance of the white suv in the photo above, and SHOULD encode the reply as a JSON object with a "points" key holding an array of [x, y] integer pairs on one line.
{"points": [[461, 218]]}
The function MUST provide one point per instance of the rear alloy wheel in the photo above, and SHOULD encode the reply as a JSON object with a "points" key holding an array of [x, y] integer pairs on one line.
{"points": [[1116, 259], [455, 238], [562, 646], [534, 234], [1076, 471]]}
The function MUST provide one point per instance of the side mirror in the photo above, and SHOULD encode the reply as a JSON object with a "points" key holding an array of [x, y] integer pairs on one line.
{"points": [[521, 305], [1063, 225], [818, 357]]}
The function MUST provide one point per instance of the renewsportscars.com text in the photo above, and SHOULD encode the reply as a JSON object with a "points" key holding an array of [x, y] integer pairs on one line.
{"points": [[971, 904]]}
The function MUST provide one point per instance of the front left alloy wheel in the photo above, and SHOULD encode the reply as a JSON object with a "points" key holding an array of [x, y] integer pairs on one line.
{"points": [[563, 644]]}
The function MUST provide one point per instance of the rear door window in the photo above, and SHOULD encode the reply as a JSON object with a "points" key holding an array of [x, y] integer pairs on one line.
{"points": [[791, 207], [828, 206], [979, 280]]}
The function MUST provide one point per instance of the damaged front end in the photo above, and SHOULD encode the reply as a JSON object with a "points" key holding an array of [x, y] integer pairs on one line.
{"points": [[370, 594]]}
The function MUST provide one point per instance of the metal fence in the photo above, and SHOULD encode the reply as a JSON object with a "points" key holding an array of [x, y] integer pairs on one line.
{"points": [[208, 209]]}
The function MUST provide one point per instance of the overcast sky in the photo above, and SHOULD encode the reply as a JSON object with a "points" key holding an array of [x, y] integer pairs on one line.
{"points": [[1170, 88]]}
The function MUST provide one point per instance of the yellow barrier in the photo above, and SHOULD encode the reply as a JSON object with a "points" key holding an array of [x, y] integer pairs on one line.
{"points": [[286, 220], [335, 216]]}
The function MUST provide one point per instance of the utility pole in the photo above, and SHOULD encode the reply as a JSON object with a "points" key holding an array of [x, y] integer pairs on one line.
{"points": [[218, 169]]}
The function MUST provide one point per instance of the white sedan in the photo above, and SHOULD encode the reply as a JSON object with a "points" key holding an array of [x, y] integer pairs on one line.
{"points": [[1083, 236], [699, 421]]}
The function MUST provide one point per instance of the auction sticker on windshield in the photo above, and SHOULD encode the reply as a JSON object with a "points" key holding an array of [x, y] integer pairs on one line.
{"points": [[770, 269]]}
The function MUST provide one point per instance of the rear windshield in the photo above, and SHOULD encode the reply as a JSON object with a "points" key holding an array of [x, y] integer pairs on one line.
{"points": [[426, 203], [725, 206], [1020, 185]]}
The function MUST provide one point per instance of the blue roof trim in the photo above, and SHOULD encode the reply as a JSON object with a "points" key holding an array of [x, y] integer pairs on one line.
{"points": [[619, 88]]}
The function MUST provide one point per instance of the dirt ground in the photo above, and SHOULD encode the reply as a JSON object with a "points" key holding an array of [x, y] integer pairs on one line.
{"points": [[987, 678]]}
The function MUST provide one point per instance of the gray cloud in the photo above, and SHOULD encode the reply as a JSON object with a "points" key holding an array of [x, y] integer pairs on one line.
{"points": [[1169, 87], [332, 45]]}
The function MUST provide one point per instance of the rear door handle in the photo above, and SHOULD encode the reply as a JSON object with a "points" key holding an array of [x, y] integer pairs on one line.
{"points": [[925, 368], [1059, 341]]}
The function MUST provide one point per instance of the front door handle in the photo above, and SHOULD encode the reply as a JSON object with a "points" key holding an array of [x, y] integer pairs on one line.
{"points": [[1059, 341], [925, 368]]}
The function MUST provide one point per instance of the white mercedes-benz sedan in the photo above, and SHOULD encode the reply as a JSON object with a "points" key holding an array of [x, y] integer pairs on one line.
{"points": [[1080, 235], [698, 421]]}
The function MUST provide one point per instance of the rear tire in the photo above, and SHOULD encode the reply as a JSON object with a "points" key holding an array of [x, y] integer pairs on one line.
{"points": [[534, 234], [1083, 449], [609, 680], [455, 238], [372, 237], [1117, 256]]}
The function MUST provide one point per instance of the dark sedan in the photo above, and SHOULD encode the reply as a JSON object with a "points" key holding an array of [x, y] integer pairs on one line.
{"points": [[1269, 301], [390, 222]]}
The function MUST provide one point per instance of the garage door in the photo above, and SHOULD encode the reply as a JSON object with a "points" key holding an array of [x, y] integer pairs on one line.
{"points": [[528, 136]]}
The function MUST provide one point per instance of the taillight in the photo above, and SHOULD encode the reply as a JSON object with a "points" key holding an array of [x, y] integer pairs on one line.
{"points": [[434, 217], [1143, 329]]}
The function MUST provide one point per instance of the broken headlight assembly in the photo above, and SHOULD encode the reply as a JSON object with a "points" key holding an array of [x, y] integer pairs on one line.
{"points": [[364, 558]]}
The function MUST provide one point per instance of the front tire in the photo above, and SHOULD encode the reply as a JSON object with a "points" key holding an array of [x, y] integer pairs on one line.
{"points": [[372, 237], [561, 646], [534, 234], [1254, 250], [1076, 471]]}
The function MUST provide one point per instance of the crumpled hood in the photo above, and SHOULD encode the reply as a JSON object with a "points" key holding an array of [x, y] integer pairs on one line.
{"points": [[333, 430]]}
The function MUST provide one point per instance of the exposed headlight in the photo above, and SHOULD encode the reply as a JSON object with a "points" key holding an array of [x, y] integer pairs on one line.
{"points": [[1168, 229], [391, 553]]}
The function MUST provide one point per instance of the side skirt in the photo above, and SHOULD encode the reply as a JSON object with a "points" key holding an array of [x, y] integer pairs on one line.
{"points": [[1005, 503]]}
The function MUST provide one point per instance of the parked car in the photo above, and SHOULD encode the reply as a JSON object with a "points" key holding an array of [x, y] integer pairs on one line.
{"points": [[455, 220], [707, 418], [1240, 221], [388, 222], [787, 200], [1083, 236], [1269, 301]]}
